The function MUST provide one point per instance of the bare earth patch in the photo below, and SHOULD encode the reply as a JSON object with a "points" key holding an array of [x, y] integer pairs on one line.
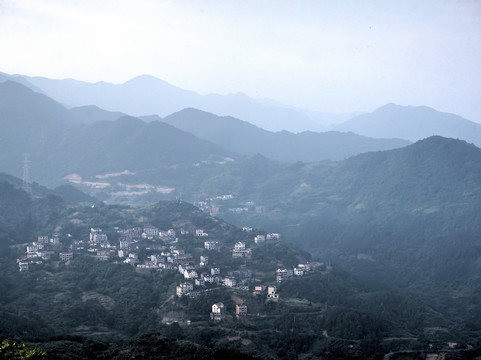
{"points": [[106, 301]]}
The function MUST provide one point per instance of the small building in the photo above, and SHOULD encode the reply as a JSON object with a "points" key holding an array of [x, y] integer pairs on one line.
{"points": [[239, 246], [200, 233], [65, 256], [124, 244], [184, 289], [218, 311], [240, 310], [215, 271], [230, 281], [43, 239], [241, 253], [211, 245], [282, 274], [240, 250], [305, 267], [273, 236], [151, 231], [204, 260], [97, 236], [132, 259], [55, 240], [272, 294], [259, 239], [207, 278], [298, 271], [190, 274], [23, 266], [259, 289]]}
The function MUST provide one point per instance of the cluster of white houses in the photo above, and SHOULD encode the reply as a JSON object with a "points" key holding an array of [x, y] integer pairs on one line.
{"points": [[237, 279], [45, 248], [98, 244], [199, 276], [299, 270]]}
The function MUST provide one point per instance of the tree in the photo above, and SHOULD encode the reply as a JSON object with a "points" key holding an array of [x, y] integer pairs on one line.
{"points": [[14, 351]]}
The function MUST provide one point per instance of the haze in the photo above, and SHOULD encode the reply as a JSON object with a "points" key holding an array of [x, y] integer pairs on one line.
{"points": [[329, 56]]}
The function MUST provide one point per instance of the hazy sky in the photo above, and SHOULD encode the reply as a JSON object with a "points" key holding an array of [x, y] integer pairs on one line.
{"points": [[333, 56]]}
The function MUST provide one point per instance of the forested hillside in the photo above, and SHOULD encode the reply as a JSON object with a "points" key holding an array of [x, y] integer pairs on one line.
{"points": [[97, 305]]}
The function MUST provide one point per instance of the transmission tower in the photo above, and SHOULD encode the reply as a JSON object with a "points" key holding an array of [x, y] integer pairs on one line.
{"points": [[26, 176]]}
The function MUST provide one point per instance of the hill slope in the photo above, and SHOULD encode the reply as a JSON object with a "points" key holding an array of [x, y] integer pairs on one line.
{"points": [[245, 138], [412, 123], [387, 215], [59, 145]]}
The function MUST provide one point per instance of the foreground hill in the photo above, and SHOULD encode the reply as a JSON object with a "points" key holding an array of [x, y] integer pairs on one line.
{"points": [[412, 123], [245, 138], [97, 305]]}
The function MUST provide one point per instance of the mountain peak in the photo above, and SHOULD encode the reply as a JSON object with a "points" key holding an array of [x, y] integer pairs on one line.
{"points": [[148, 80], [412, 123], [393, 107]]}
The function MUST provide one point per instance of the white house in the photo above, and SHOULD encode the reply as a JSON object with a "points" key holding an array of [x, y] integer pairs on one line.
{"points": [[192, 274], [273, 236], [218, 311], [23, 266], [298, 271], [184, 289], [200, 233], [151, 231], [211, 245], [259, 239], [204, 260], [230, 281], [240, 245]]}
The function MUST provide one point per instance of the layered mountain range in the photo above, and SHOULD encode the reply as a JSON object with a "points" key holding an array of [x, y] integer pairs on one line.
{"points": [[432, 184], [401, 214], [90, 141]]}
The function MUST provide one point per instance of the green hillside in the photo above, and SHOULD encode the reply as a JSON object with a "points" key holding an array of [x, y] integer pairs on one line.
{"points": [[97, 306]]}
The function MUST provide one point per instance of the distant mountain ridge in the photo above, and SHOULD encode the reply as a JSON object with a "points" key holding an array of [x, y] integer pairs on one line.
{"points": [[146, 95], [60, 143], [245, 138], [412, 123]]}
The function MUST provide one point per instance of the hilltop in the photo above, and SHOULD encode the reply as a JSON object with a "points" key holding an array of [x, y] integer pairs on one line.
{"points": [[412, 123]]}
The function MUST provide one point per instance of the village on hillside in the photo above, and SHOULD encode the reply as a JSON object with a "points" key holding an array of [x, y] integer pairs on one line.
{"points": [[149, 248]]}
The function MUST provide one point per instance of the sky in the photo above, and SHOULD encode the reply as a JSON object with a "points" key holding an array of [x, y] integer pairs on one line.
{"points": [[333, 56]]}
